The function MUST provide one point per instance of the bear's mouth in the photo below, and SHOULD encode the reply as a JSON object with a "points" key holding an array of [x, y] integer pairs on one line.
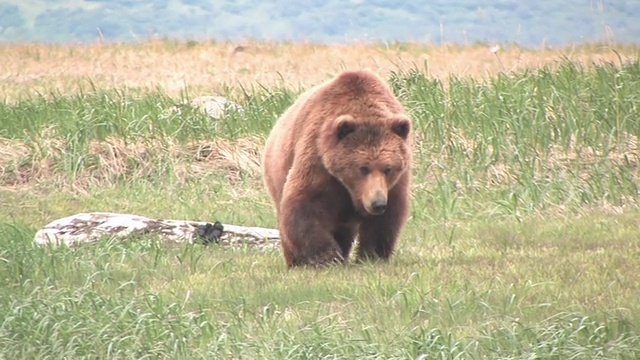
{"points": [[376, 212], [373, 212]]}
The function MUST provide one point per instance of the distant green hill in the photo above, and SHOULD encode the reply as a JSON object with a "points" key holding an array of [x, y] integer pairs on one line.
{"points": [[528, 23]]}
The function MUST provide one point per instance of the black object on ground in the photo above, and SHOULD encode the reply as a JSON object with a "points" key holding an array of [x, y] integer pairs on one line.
{"points": [[209, 233]]}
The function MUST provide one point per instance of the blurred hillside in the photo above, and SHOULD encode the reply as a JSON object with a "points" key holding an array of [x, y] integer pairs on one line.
{"points": [[463, 21]]}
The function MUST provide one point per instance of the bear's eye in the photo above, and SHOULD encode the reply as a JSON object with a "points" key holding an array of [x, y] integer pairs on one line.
{"points": [[388, 170], [365, 170]]}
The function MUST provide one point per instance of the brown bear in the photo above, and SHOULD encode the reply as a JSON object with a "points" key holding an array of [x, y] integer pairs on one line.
{"points": [[338, 164]]}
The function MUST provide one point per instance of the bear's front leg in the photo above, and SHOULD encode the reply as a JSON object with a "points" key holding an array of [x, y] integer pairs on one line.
{"points": [[306, 234], [378, 234]]}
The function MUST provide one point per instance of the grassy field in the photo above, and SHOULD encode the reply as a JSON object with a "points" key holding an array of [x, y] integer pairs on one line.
{"points": [[523, 241]]}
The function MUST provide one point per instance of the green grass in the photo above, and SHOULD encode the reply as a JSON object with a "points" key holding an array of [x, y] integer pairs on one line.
{"points": [[522, 243]]}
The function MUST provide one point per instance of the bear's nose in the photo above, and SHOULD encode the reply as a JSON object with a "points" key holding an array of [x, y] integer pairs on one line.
{"points": [[379, 206]]}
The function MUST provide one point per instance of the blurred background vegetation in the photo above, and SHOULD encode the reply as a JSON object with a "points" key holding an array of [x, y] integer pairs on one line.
{"points": [[534, 23]]}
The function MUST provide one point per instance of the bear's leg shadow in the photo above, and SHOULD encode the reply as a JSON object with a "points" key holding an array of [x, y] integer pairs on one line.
{"points": [[305, 238]]}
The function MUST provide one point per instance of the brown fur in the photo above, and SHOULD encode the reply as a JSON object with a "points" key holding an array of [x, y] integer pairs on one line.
{"points": [[341, 149]]}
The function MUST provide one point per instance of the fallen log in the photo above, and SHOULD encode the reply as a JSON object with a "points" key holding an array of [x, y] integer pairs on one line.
{"points": [[91, 227]]}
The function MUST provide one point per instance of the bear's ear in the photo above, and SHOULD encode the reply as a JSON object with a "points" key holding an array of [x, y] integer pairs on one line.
{"points": [[346, 125], [401, 127]]}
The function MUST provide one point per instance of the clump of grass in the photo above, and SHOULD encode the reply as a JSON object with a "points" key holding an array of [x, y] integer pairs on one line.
{"points": [[565, 335], [98, 114], [113, 161], [542, 138], [102, 137]]}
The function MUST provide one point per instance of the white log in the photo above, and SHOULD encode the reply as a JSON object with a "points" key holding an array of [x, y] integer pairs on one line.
{"points": [[90, 227]]}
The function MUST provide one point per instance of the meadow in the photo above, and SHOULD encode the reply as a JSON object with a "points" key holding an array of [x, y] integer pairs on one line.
{"points": [[523, 240]]}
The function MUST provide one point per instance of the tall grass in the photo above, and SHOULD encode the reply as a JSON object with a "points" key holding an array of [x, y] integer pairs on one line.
{"points": [[96, 114], [522, 242], [540, 138]]}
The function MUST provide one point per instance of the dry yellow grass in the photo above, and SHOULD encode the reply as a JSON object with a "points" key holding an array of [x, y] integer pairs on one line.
{"points": [[204, 67], [21, 167]]}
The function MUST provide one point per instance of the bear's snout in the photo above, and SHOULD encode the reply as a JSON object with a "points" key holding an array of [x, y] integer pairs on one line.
{"points": [[378, 205]]}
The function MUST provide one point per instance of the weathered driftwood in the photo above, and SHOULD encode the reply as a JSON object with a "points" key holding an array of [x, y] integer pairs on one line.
{"points": [[90, 227]]}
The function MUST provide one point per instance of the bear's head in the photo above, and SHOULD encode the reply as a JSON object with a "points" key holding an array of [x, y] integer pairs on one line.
{"points": [[367, 157]]}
